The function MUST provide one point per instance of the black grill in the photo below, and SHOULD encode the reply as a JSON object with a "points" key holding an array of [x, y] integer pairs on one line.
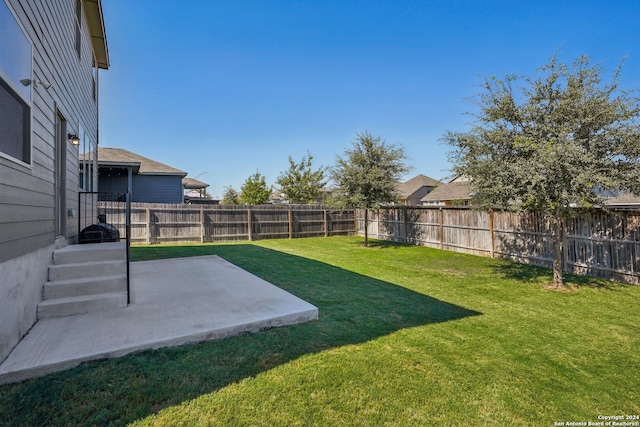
{"points": [[100, 232]]}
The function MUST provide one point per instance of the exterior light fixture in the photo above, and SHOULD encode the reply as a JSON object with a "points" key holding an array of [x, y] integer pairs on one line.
{"points": [[73, 139], [45, 84]]}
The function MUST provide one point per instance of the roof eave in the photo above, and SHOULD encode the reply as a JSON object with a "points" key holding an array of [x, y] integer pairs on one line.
{"points": [[134, 166], [95, 22], [191, 187], [110, 163], [180, 174]]}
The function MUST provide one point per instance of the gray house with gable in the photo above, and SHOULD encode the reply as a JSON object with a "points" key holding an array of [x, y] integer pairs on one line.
{"points": [[148, 181]]}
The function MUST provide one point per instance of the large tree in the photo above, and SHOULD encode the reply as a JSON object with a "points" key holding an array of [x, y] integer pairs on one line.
{"points": [[255, 191], [300, 183], [367, 175], [551, 142], [230, 196]]}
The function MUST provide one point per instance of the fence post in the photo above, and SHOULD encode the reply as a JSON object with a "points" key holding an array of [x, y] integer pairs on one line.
{"points": [[148, 214], [441, 228], [202, 229], [491, 232], [249, 224], [565, 249], [404, 223], [326, 225], [290, 223]]}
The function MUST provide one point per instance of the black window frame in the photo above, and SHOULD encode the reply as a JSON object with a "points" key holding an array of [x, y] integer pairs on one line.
{"points": [[16, 84], [26, 126]]}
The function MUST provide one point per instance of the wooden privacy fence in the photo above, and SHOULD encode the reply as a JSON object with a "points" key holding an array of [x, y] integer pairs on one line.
{"points": [[597, 243], [177, 223]]}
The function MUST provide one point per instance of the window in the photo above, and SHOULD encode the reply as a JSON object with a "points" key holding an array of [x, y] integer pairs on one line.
{"points": [[87, 172], [87, 162], [78, 27], [15, 96], [94, 79]]}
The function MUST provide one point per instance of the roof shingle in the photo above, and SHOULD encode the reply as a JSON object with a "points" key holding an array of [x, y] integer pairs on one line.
{"points": [[409, 187], [457, 190], [147, 166]]}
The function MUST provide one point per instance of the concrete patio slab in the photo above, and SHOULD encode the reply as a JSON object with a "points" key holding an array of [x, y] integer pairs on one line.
{"points": [[173, 302]]}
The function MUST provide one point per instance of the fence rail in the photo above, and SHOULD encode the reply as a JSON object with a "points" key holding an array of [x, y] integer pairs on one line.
{"points": [[597, 243], [179, 223]]}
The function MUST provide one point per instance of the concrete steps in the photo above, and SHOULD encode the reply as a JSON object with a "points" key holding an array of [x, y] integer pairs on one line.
{"points": [[85, 278], [74, 287], [81, 304], [86, 269], [88, 252]]}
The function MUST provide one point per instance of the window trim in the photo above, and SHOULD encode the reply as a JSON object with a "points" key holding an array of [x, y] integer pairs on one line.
{"points": [[29, 102], [78, 25]]}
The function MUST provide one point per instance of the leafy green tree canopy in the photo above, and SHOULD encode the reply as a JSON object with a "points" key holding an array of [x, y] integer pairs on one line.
{"points": [[367, 175], [255, 191], [550, 142], [300, 183], [230, 197]]}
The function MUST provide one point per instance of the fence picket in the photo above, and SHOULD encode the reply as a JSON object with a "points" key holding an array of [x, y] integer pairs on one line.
{"points": [[597, 243], [164, 223]]}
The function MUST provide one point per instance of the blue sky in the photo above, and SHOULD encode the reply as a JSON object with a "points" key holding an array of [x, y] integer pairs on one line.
{"points": [[221, 89]]}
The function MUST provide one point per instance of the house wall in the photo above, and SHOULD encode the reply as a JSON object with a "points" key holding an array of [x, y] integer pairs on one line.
{"points": [[21, 289], [112, 183], [415, 198], [157, 189], [145, 188], [27, 202]]}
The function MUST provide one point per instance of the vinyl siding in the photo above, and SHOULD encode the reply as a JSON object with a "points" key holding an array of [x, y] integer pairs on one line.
{"points": [[112, 184], [157, 189], [418, 195], [27, 199], [27, 192], [146, 188]]}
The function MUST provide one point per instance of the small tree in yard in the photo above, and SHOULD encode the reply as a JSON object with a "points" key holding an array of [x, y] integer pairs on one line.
{"points": [[301, 184], [230, 197], [560, 142], [368, 174], [254, 191]]}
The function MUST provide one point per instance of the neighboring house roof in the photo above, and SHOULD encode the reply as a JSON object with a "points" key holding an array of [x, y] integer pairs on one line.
{"points": [[118, 157], [193, 184], [624, 200], [455, 190], [277, 196], [95, 23], [406, 189]]}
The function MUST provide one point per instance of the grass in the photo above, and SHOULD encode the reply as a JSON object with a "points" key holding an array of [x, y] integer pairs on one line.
{"points": [[406, 336]]}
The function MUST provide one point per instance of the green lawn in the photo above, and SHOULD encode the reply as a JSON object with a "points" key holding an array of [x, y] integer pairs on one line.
{"points": [[407, 336]]}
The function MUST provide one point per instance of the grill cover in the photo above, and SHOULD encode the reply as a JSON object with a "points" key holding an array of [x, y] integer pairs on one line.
{"points": [[100, 232]]}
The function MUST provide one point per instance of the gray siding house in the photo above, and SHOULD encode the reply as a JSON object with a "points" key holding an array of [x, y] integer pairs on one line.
{"points": [[147, 180], [50, 53]]}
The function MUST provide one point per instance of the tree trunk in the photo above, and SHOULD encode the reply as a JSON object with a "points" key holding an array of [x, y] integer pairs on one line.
{"points": [[366, 227], [557, 236]]}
